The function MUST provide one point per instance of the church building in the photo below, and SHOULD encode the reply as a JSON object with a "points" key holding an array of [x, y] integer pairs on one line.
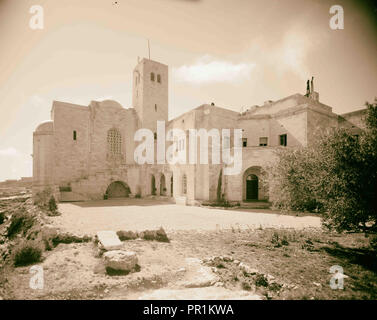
{"points": [[87, 152]]}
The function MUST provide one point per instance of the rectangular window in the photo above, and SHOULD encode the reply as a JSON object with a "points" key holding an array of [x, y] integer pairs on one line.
{"points": [[244, 142], [283, 140], [74, 135], [263, 141]]}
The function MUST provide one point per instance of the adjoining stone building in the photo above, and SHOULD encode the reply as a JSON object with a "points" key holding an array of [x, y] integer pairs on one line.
{"points": [[87, 152]]}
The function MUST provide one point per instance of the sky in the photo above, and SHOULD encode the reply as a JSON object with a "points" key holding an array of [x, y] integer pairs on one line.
{"points": [[235, 53]]}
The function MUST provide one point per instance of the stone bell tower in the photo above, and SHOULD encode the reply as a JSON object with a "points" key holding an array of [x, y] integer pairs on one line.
{"points": [[150, 92]]}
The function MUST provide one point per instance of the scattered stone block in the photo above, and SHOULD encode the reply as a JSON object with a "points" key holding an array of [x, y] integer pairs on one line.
{"points": [[157, 235], [119, 260], [127, 235], [181, 201], [108, 240]]}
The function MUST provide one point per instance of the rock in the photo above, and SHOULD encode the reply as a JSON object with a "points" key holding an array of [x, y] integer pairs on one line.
{"points": [[236, 262], [317, 284], [120, 260], [127, 235], [270, 277], [109, 240], [219, 284], [227, 259], [106, 291], [247, 269], [198, 275]]}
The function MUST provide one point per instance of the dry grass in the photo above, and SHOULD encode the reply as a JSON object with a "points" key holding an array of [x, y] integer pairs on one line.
{"points": [[301, 261]]}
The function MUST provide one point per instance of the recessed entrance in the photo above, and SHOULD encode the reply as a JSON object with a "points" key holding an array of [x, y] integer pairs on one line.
{"points": [[153, 185], [118, 189], [252, 187], [162, 186]]}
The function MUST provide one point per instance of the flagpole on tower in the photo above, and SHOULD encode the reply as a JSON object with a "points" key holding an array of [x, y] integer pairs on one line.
{"points": [[149, 51]]}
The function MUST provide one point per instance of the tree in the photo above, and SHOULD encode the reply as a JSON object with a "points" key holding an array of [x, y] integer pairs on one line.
{"points": [[337, 176]]}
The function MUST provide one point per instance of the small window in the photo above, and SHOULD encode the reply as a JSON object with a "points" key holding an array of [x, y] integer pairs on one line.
{"points": [[283, 140], [74, 135], [155, 107], [244, 142], [155, 136], [158, 78], [263, 141], [152, 76]]}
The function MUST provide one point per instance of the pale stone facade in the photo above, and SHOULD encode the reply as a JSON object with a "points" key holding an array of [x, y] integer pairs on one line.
{"points": [[87, 152]]}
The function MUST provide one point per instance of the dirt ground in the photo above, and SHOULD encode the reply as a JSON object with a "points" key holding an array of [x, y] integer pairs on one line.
{"points": [[297, 270], [230, 255], [141, 214]]}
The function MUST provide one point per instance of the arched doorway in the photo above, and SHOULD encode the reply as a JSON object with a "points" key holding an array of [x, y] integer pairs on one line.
{"points": [[162, 185], [118, 189], [153, 185], [251, 187]]}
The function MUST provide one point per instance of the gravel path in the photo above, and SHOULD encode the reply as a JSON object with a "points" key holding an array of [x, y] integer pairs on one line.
{"points": [[141, 214]]}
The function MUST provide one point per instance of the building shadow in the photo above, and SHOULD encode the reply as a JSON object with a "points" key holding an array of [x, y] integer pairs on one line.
{"points": [[364, 257], [122, 202]]}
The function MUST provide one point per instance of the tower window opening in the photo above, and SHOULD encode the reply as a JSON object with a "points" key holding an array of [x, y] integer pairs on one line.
{"points": [[155, 107], [152, 76], [159, 78], [74, 135]]}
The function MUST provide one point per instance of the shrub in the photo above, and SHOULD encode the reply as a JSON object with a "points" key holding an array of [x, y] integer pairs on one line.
{"points": [[127, 235], [246, 286], [279, 239], [52, 204], [27, 252], [42, 198], [373, 242], [20, 221], [138, 196], [2, 217], [336, 176], [261, 281]]}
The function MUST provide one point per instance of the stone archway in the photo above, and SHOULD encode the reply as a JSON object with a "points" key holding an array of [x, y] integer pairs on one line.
{"points": [[162, 185], [251, 187], [118, 189], [153, 185], [251, 184]]}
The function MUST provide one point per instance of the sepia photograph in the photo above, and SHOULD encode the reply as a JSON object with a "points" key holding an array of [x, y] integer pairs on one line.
{"points": [[187, 155]]}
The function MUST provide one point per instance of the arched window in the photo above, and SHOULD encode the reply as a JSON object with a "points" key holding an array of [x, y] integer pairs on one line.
{"points": [[152, 76], [158, 78], [114, 142], [184, 184]]}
